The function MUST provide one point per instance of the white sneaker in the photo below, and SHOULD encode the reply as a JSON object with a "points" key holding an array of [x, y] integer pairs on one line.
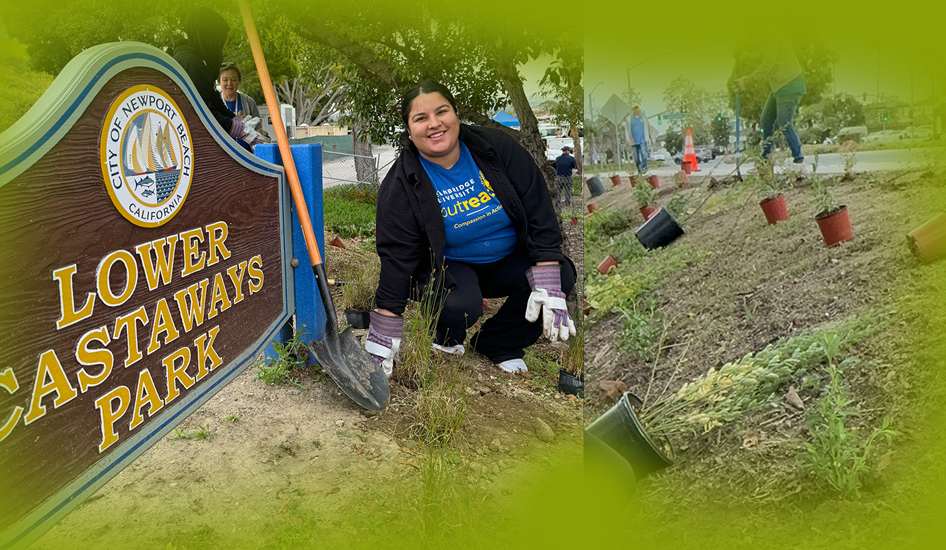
{"points": [[452, 350], [513, 365]]}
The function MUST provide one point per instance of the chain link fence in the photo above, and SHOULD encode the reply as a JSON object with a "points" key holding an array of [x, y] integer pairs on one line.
{"points": [[340, 164]]}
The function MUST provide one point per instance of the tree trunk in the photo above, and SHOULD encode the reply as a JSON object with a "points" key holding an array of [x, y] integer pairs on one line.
{"points": [[573, 130], [529, 136], [364, 161]]}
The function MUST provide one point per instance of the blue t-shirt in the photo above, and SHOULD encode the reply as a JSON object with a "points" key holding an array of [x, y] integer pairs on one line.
{"points": [[478, 230]]}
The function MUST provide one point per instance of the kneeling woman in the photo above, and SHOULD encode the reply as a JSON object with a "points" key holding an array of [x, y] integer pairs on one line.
{"points": [[472, 201]]}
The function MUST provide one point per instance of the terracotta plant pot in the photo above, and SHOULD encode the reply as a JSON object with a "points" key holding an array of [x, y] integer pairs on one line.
{"points": [[632, 180], [357, 319], [686, 167], [835, 226], [654, 181], [620, 429], [928, 242], [607, 264], [647, 212], [615, 180], [775, 209], [574, 221], [592, 206]]}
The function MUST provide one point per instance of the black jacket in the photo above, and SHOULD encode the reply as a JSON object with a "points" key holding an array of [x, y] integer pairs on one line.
{"points": [[204, 79], [410, 230]]}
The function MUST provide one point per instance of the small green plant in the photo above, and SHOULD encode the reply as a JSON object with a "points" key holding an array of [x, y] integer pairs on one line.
{"points": [[770, 185], [203, 433], [677, 204], [644, 195], [440, 404], [293, 354], [231, 418], [638, 333], [573, 354], [850, 159], [179, 433], [837, 454], [825, 203], [361, 280]]}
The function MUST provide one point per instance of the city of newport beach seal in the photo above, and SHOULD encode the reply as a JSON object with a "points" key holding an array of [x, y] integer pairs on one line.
{"points": [[147, 156]]}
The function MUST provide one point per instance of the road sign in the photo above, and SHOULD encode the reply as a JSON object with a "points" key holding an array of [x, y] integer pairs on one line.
{"points": [[615, 109], [674, 116]]}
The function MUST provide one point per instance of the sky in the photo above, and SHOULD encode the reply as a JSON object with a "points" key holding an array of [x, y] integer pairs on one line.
{"points": [[858, 70], [659, 45]]}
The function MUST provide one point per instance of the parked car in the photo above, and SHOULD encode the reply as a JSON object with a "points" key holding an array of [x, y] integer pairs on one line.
{"points": [[659, 154], [703, 154]]}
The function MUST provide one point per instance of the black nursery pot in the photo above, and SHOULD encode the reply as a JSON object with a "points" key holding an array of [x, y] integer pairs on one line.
{"points": [[357, 319], [570, 384], [595, 186], [620, 429], [660, 230]]}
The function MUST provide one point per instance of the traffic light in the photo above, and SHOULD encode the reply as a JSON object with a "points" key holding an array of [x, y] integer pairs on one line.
{"points": [[886, 118], [660, 120], [719, 117]]}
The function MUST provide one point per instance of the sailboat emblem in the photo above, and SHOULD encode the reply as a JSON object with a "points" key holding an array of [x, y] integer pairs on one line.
{"points": [[147, 156]]}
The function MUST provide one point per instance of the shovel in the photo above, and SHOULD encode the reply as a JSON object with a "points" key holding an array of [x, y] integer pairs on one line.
{"points": [[341, 355]]}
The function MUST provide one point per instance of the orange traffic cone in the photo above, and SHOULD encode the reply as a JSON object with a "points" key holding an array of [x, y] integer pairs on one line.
{"points": [[689, 153]]}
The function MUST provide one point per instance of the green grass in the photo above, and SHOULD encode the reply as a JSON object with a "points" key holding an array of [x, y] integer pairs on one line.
{"points": [[291, 355], [349, 210], [543, 367]]}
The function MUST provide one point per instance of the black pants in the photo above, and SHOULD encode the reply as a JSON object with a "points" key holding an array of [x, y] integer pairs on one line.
{"points": [[507, 333]]}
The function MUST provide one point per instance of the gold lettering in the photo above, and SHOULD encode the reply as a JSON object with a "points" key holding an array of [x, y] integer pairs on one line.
{"points": [[9, 383], [190, 251], [130, 322], [207, 351], [193, 315], [145, 394], [67, 313], [89, 357], [237, 281], [174, 374], [220, 295], [49, 367], [110, 414], [216, 242], [163, 322], [256, 273], [104, 275], [158, 270]]}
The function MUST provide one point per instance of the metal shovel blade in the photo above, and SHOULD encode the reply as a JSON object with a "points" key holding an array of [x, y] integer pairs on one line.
{"points": [[350, 366]]}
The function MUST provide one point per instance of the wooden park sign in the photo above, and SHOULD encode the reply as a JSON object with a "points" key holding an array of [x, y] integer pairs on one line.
{"points": [[144, 261]]}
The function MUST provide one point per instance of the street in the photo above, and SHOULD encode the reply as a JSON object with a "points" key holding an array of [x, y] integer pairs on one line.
{"points": [[828, 164]]}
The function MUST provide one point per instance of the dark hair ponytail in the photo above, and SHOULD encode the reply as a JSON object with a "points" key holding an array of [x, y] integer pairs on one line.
{"points": [[426, 86]]}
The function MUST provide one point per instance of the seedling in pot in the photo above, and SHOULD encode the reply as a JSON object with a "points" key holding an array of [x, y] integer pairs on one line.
{"points": [[825, 203], [644, 196]]}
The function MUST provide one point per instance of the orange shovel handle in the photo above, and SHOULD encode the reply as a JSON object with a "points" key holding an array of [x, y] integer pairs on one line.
{"points": [[281, 139]]}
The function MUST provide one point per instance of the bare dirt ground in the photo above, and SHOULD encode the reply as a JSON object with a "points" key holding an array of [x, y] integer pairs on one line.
{"points": [[300, 465]]}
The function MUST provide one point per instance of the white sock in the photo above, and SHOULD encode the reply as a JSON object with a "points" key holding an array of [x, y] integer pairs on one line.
{"points": [[457, 349], [513, 366]]}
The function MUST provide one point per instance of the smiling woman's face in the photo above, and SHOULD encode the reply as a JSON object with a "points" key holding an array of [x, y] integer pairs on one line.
{"points": [[435, 129]]}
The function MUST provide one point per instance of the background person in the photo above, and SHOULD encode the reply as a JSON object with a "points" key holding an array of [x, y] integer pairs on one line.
{"points": [[229, 78], [200, 56], [639, 135], [781, 71], [564, 165], [467, 206]]}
